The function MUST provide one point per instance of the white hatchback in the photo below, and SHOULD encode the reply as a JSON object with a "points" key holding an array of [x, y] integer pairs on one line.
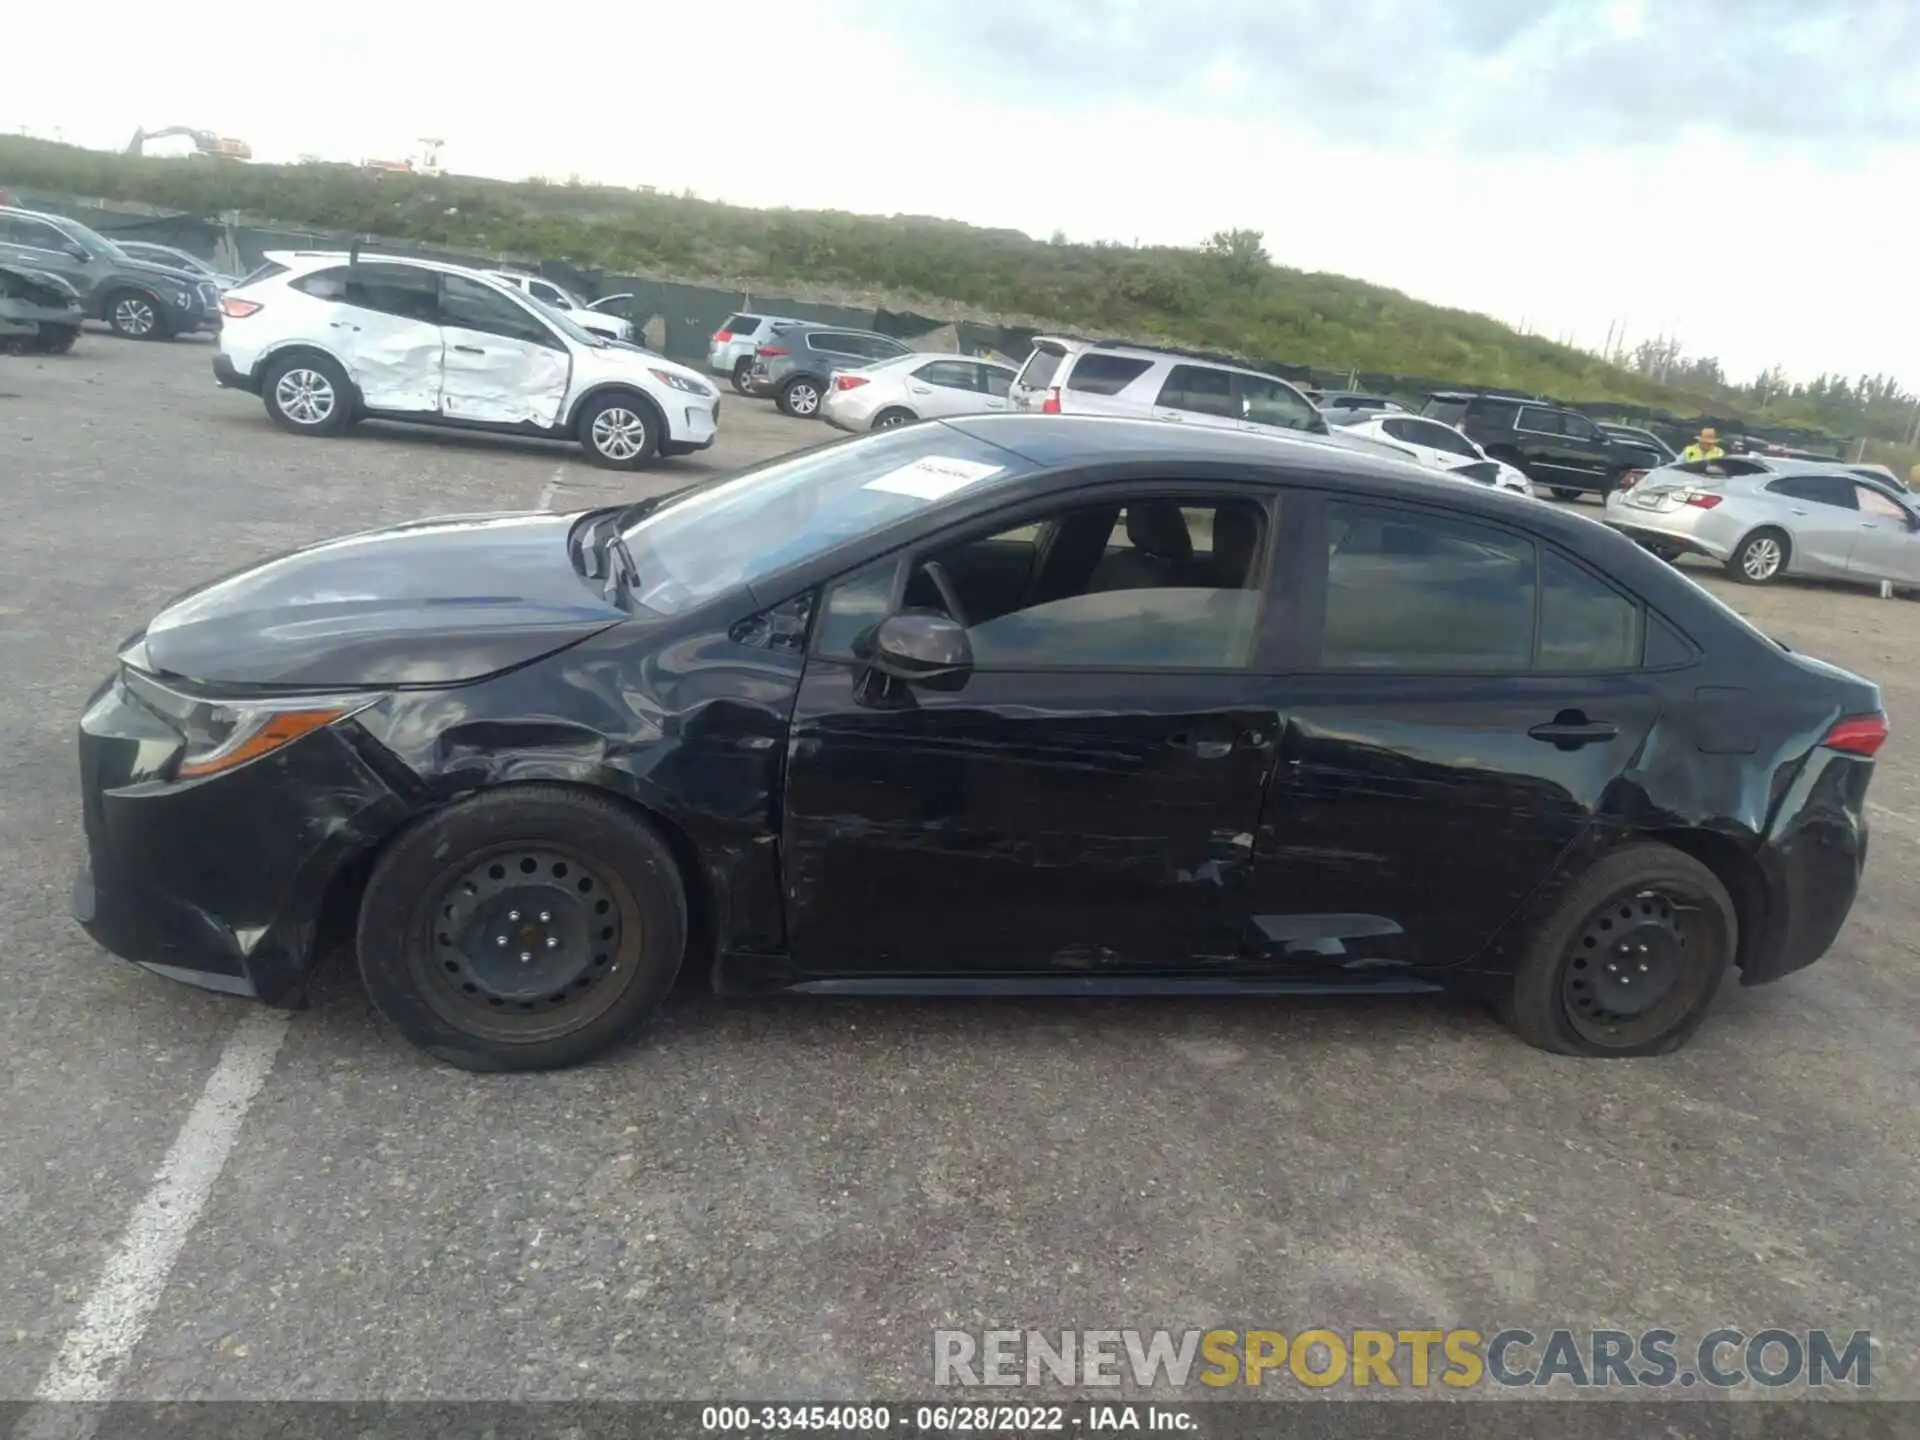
{"points": [[1438, 446], [326, 338]]}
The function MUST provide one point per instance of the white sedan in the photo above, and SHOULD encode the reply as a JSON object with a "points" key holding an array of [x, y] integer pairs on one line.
{"points": [[558, 297], [1436, 445], [920, 386]]}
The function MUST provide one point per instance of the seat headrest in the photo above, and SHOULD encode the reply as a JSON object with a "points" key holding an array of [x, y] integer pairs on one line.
{"points": [[1157, 528]]}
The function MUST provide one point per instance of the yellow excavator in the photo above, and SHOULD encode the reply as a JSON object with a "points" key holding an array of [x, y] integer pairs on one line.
{"points": [[201, 143]]}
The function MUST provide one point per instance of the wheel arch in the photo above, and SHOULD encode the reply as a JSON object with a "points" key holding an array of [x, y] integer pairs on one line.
{"points": [[886, 410], [106, 291], [615, 387], [340, 904], [285, 349], [1735, 867]]}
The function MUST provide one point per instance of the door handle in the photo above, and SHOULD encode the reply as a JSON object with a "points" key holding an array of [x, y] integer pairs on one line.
{"points": [[920, 389], [469, 349], [1205, 747], [1569, 731], [342, 325]]}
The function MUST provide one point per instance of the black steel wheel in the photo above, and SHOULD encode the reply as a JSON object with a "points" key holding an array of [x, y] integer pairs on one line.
{"points": [[527, 928], [1629, 960]]}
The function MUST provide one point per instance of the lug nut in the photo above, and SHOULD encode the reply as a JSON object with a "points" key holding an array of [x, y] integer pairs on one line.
{"points": [[526, 957], [500, 940], [513, 914], [545, 917]]}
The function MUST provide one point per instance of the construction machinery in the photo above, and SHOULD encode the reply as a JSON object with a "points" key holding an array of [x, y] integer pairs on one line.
{"points": [[183, 142]]}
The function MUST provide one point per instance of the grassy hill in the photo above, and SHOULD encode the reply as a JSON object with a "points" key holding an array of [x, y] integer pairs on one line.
{"points": [[1224, 295]]}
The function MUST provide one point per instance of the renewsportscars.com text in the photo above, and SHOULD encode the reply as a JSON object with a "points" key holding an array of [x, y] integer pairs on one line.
{"points": [[1659, 1358]]}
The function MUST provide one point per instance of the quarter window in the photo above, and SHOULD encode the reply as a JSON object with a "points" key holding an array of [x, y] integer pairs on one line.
{"points": [[1585, 624], [1422, 593], [1831, 490], [401, 290]]}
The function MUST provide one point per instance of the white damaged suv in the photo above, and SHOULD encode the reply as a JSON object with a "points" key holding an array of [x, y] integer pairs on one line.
{"points": [[326, 338]]}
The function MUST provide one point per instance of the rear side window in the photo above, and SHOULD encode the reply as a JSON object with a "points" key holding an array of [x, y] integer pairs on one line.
{"points": [[1038, 372], [1268, 402], [1449, 412], [1098, 374], [951, 374], [395, 290], [1434, 437], [742, 325], [1199, 389], [1495, 414], [1585, 624], [1415, 592], [1819, 489], [328, 284], [998, 380], [1541, 422]]}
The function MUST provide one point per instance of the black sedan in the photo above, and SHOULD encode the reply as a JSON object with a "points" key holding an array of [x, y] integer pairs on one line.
{"points": [[1016, 704]]}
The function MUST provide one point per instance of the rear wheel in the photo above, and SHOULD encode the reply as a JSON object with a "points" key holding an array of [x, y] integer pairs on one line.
{"points": [[1761, 558], [799, 397], [742, 368], [307, 394], [1565, 492], [889, 419], [525, 929], [1629, 960], [135, 315]]}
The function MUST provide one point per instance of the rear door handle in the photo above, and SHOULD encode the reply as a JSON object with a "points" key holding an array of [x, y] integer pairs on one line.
{"points": [[1572, 734], [469, 349], [1205, 747]]}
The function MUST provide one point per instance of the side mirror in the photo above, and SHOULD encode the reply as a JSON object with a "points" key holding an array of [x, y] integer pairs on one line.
{"points": [[918, 645]]}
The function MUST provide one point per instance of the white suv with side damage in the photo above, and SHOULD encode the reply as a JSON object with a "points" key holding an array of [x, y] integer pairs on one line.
{"points": [[326, 338], [1186, 387]]}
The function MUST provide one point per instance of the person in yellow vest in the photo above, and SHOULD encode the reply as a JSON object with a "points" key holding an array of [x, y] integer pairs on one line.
{"points": [[1707, 447]]}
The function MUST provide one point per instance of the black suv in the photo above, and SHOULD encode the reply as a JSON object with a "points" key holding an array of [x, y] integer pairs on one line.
{"points": [[1552, 445]]}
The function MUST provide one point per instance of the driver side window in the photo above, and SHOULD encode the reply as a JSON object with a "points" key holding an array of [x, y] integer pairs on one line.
{"points": [[1151, 584]]}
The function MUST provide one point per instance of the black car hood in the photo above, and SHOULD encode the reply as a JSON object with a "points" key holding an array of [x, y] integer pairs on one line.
{"points": [[434, 602], [147, 270]]}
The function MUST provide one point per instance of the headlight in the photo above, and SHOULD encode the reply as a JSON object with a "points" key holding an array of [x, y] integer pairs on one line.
{"points": [[680, 382], [226, 734]]}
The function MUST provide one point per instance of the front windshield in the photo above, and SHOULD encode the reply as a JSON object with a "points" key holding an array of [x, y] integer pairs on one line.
{"points": [[796, 509], [95, 241]]}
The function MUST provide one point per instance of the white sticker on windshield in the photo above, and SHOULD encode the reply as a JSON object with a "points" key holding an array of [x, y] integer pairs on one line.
{"points": [[933, 478]]}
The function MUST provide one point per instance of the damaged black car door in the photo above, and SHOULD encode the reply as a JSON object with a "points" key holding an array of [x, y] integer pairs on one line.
{"points": [[1038, 745]]}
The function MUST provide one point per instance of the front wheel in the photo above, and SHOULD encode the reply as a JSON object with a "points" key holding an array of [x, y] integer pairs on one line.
{"points": [[135, 315], [307, 394], [742, 368], [1761, 558], [527, 928], [1629, 960], [619, 432], [800, 398]]}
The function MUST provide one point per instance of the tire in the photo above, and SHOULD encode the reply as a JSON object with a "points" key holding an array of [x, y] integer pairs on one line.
{"points": [[1565, 492], [1761, 558], [307, 394], [799, 397], [54, 339], [1647, 912], [619, 431], [602, 915], [741, 369], [893, 416], [136, 315]]}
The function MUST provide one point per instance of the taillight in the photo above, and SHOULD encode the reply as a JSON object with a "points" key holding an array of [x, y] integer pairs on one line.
{"points": [[1631, 479], [1858, 735], [1701, 499], [848, 382], [721, 337], [767, 352], [1051, 405], [238, 309]]}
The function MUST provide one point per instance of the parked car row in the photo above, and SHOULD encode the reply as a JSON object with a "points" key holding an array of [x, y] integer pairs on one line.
{"points": [[326, 338], [138, 298]]}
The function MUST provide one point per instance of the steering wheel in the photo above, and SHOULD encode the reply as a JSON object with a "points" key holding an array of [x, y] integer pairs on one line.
{"points": [[949, 597]]}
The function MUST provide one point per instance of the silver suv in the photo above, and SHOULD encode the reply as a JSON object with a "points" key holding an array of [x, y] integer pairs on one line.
{"points": [[796, 361], [1080, 377], [1108, 377]]}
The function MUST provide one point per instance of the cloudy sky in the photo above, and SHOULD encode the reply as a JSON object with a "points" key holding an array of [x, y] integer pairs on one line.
{"points": [[1740, 173]]}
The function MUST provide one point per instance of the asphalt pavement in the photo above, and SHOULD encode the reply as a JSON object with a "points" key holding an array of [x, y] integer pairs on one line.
{"points": [[786, 1198]]}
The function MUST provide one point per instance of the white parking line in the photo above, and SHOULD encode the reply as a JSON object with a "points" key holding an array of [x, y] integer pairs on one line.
{"points": [[122, 1301], [552, 487]]}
